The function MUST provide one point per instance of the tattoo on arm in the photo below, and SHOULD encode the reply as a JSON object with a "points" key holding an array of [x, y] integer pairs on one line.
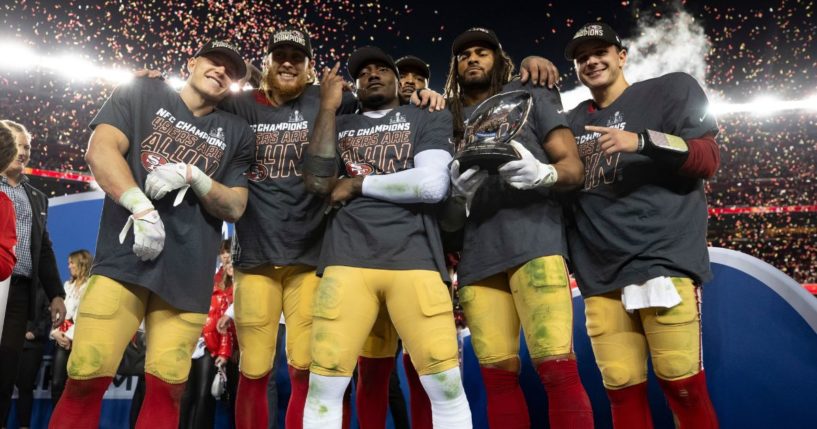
{"points": [[322, 145]]}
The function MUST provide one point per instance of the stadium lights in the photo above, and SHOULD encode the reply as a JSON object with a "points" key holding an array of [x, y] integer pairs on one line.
{"points": [[72, 66], [19, 57], [763, 106], [75, 68]]}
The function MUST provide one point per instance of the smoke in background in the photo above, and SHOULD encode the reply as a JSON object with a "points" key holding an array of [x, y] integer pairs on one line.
{"points": [[676, 42]]}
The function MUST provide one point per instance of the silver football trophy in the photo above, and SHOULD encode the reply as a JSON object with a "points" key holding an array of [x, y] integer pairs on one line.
{"points": [[490, 128]]}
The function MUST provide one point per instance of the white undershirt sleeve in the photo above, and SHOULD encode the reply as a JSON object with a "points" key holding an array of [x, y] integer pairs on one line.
{"points": [[427, 182]]}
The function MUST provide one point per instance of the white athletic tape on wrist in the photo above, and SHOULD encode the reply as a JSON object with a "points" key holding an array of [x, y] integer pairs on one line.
{"points": [[200, 182], [135, 201]]}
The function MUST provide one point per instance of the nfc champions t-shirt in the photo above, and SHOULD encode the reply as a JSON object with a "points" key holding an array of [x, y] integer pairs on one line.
{"points": [[283, 223], [373, 233], [508, 227], [635, 219], [161, 129]]}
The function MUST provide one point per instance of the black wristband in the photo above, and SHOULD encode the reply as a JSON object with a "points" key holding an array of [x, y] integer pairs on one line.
{"points": [[670, 155], [320, 167]]}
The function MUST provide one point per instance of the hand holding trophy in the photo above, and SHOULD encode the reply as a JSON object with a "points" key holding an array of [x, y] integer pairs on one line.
{"points": [[489, 130]]}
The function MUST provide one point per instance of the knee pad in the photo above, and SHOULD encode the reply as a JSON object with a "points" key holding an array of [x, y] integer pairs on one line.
{"points": [[326, 348], [439, 354], [327, 355], [170, 360], [620, 356], [89, 361], [675, 337], [93, 354], [256, 363]]}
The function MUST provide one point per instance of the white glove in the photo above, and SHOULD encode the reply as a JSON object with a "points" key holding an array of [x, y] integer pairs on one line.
{"points": [[169, 177], [148, 229], [465, 185], [528, 172]]}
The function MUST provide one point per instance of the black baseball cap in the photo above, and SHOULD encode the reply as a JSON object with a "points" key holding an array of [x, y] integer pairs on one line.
{"points": [[475, 35], [592, 31], [364, 56], [228, 49], [410, 61], [291, 36]]}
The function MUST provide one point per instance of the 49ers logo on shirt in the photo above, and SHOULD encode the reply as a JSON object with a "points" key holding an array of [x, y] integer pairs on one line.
{"points": [[258, 173], [151, 160], [177, 141], [354, 169]]}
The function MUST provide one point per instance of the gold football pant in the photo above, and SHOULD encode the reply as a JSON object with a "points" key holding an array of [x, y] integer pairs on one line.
{"points": [[109, 314], [621, 340], [536, 295], [383, 339], [349, 300], [260, 295]]}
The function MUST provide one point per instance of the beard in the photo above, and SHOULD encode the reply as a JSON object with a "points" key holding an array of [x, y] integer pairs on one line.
{"points": [[373, 101], [286, 90], [480, 83], [405, 96]]}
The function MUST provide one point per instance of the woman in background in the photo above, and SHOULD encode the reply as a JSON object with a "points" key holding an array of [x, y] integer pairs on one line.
{"points": [[213, 352], [79, 267]]}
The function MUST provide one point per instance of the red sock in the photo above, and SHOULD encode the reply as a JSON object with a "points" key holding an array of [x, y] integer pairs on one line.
{"points": [[420, 405], [689, 400], [299, 381], [160, 409], [630, 407], [372, 398], [506, 402], [251, 409], [347, 407], [568, 404], [80, 404]]}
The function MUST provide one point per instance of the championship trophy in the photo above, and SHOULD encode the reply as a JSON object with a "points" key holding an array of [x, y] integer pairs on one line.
{"points": [[490, 129]]}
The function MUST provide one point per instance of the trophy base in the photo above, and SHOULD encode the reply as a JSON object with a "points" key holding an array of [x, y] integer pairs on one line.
{"points": [[487, 160]]}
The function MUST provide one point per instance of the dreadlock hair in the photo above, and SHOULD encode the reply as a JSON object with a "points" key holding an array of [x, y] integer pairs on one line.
{"points": [[501, 73]]}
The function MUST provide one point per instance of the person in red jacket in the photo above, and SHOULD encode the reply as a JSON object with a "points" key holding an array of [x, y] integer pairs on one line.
{"points": [[8, 234], [213, 353]]}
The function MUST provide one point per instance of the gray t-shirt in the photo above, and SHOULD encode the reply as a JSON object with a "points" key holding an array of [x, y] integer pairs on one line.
{"points": [[636, 219], [161, 129], [508, 227], [372, 233], [283, 223]]}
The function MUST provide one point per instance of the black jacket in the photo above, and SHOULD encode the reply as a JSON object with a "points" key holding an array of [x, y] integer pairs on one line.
{"points": [[44, 272]]}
